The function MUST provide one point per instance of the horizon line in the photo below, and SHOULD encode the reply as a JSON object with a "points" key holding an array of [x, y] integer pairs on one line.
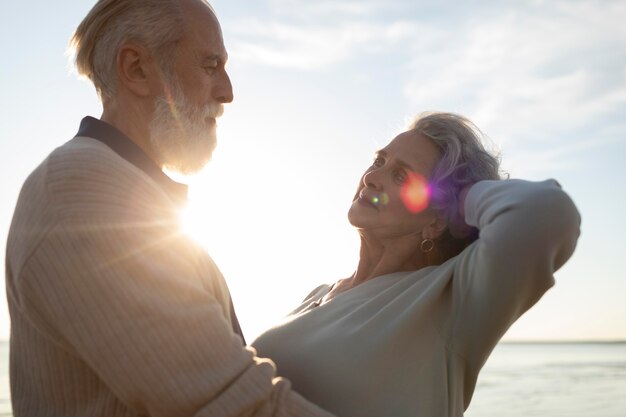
{"points": [[561, 341], [525, 341]]}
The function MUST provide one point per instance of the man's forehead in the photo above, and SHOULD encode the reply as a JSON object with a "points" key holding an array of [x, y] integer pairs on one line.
{"points": [[199, 13], [203, 31], [196, 5]]}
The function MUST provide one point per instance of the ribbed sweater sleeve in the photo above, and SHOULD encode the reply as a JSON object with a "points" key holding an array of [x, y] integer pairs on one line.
{"points": [[527, 231], [106, 276]]}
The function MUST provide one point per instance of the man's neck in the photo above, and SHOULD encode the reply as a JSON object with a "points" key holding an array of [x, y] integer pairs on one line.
{"points": [[131, 121]]}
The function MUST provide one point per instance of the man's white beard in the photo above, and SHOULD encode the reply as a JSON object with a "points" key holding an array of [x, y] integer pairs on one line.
{"points": [[183, 136]]}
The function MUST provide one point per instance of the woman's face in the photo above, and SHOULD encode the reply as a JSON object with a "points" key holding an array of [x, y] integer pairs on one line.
{"points": [[393, 195]]}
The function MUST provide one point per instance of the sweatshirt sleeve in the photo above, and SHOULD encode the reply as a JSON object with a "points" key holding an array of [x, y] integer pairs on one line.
{"points": [[528, 230], [116, 285]]}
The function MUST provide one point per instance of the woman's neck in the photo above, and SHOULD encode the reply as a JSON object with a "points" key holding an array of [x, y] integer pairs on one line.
{"points": [[387, 261], [386, 256]]}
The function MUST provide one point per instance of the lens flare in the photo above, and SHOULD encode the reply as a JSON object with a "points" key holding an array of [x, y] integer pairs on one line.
{"points": [[381, 199], [415, 193], [171, 102]]}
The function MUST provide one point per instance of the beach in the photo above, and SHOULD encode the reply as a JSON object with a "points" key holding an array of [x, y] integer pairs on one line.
{"points": [[5, 394], [519, 380], [552, 380]]}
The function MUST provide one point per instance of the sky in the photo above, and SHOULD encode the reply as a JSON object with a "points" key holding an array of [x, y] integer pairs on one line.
{"points": [[319, 86]]}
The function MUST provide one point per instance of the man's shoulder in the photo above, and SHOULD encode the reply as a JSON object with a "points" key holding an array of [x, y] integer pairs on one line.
{"points": [[84, 161], [85, 154], [86, 170]]}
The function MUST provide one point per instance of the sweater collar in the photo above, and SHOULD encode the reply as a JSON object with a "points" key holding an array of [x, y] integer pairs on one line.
{"points": [[122, 145]]}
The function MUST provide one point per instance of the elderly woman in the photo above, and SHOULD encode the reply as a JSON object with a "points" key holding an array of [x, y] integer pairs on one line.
{"points": [[451, 255]]}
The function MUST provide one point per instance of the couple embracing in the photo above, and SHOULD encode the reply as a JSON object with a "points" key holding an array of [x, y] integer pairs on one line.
{"points": [[114, 312]]}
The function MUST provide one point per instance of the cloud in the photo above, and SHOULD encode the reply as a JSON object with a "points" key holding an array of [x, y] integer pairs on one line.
{"points": [[310, 47], [324, 9], [528, 74], [529, 162], [316, 35]]}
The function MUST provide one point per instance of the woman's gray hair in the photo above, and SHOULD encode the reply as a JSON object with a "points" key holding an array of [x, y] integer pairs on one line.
{"points": [[156, 24], [464, 160]]}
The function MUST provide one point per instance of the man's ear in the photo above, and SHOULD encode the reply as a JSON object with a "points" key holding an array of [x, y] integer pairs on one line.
{"points": [[136, 69], [435, 228]]}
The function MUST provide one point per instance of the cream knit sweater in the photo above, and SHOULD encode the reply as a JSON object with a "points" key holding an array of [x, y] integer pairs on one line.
{"points": [[114, 312]]}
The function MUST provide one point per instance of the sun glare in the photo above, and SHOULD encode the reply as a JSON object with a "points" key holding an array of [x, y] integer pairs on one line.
{"points": [[415, 193], [192, 224]]}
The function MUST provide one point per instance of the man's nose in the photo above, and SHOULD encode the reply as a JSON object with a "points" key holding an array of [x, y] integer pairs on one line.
{"points": [[223, 92]]}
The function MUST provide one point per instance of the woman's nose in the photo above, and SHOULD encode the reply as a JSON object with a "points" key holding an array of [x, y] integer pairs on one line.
{"points": [[371, 179]]}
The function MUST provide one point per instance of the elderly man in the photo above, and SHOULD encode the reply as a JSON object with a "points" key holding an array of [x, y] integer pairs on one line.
{"points": [[114, 312]]}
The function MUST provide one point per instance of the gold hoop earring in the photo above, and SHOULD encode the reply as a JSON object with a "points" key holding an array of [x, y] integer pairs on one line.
{"points": [[427, 245]]}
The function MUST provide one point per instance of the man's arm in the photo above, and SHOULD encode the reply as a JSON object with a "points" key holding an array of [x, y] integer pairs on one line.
{"points": [[116, 285]]}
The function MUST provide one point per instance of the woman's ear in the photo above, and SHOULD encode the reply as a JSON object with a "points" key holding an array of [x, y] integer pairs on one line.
{"points": [[435, 228], [136, 69]]}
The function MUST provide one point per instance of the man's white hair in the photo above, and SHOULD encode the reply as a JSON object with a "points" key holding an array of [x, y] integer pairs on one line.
{"points": [[183, 136], [156, 24]]}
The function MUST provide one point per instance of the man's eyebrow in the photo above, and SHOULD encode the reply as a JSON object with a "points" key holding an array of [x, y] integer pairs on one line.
{"points": [[214, 57]]}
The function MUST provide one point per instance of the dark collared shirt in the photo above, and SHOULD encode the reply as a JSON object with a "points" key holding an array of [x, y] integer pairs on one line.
{"points": [[127, 149]]}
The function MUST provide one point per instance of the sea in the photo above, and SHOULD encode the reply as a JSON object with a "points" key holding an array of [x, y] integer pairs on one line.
{"points": [[518, 380]]}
